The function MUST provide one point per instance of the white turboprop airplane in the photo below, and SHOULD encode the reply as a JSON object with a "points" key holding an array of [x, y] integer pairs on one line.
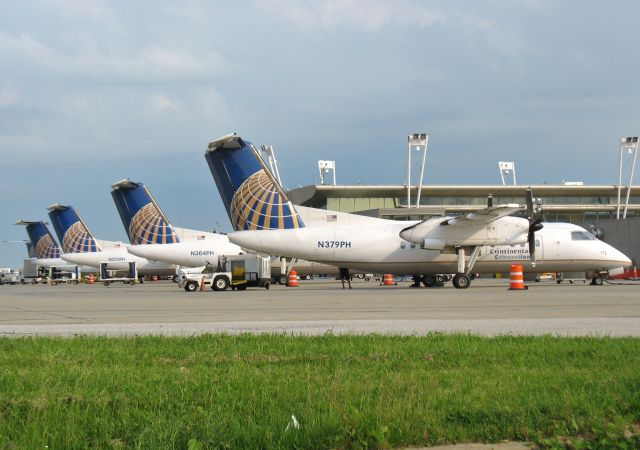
{"points": [[492, 238], [153, 237], [81, 247], [46, 251], [190, 248]]}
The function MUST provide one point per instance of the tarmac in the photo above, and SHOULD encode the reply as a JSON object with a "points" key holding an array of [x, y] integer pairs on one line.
{"points": [[316, 307]]}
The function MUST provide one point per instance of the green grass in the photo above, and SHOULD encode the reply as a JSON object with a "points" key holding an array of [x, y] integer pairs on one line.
{"points": [[346, 392]]}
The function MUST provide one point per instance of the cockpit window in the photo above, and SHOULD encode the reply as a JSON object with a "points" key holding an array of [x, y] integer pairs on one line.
{"points": [[582, 236]]}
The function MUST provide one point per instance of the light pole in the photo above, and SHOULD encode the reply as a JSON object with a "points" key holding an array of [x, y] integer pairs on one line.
{"points": [[630, 144], [416, 141]]}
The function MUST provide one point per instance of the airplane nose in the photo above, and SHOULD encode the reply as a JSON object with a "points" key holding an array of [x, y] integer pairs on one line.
{"points": [[616, 256]]}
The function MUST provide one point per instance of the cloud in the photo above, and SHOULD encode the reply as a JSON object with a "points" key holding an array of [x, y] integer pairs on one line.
{"points": [[149, 64], [361, 15], [162, 103], [215, 108], [9, 96]]}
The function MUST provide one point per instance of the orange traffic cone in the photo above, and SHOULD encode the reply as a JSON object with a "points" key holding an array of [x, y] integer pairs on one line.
{"points": [[293, 279], [92, 278], [516, 282], [155, 278], [387, 280]]}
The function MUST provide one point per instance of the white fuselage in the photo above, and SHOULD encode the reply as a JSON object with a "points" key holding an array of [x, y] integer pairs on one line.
{"points": [[192, 252], [117, 258], [376, 246], [198, 253], [63, 265]]}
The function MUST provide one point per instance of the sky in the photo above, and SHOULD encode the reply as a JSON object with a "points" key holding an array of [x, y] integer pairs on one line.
{"points": [[92, 92]]}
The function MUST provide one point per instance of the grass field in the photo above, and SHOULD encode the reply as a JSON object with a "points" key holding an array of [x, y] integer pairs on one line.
{"points": [[345, 392]]}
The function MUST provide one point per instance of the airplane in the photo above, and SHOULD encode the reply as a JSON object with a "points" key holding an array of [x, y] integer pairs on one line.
{"points": [[184, 247], [493, 239], [45, 252], [153, 236], [81, 247]]}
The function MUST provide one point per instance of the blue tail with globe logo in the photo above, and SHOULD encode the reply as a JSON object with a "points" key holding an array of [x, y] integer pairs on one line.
{"points": [[142, 218], [253, 198], [71, 230], [43, 244]]}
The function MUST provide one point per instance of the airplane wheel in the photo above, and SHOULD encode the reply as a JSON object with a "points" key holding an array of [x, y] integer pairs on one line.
{"points": [[220, 284], [191, 286], [430, 280], [461, 281], [283, 279]]}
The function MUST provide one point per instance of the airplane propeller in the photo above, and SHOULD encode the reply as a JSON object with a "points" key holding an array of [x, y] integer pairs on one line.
{"points": [[534, 225]]}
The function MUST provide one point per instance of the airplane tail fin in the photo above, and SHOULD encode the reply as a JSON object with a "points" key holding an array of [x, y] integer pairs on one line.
{"points": [[72, 232], [43, 244], [253, 198], [141, 216]]}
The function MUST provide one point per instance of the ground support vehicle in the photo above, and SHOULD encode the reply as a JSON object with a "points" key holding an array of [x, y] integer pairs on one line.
{"points": [[235, 272], [10, 276], [571, 277], [107, 278]]}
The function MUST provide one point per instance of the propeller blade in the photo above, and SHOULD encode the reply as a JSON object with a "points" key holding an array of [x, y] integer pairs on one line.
{"points": [[532, 247], [534, 226], [529, 204]]}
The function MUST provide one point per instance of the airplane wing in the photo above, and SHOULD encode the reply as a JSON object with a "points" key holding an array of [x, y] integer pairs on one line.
{"points": [[486, 215], [471, 229]]}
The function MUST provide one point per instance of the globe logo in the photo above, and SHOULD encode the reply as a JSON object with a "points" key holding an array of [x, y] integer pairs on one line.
{"points": [[47, 248], [77, 239], [258, 205], [148, 227]]}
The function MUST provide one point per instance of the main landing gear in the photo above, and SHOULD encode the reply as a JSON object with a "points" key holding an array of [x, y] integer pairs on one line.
{"points": [[461, 280]]}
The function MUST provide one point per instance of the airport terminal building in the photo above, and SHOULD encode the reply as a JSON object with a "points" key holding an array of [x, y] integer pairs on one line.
{"points": [[558, 203]]}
